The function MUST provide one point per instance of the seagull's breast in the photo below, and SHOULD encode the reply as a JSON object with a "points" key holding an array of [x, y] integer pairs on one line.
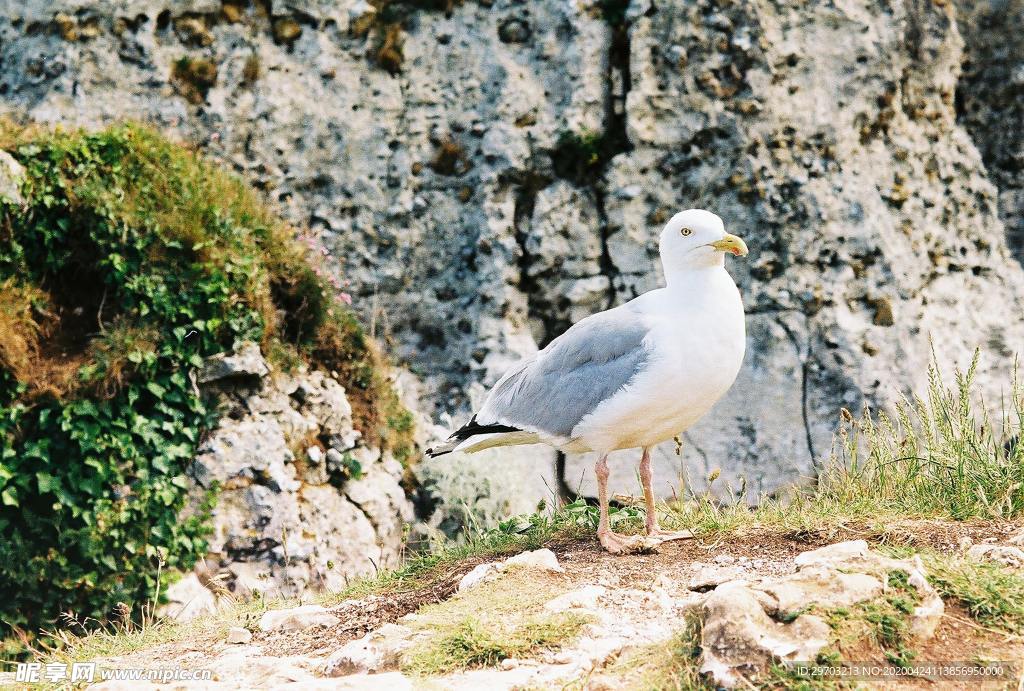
{"points": [[696, 342]]}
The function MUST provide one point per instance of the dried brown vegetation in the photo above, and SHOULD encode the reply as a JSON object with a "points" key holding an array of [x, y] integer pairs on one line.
{"points": [[193, 78]]}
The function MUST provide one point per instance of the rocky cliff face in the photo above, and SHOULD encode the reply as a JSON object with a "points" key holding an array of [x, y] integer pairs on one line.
{"points": [[487, 174]]}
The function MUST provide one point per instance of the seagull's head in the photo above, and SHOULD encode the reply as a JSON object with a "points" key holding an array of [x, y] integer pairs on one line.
{"points": [[696, 238]]}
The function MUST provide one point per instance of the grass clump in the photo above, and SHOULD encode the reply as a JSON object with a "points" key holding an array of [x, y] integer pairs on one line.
{"points": [[670, 666], [472, 644], [516, 626], [991, 593], [132, 261], [940, 455], [25, 319]]}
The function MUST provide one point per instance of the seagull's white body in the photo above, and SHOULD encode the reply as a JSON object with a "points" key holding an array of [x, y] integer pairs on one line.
{"points": [[697, 340]]}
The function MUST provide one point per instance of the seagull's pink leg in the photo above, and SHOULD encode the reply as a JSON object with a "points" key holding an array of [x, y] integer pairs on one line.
{"points": [[646, 476], [613, 542]]}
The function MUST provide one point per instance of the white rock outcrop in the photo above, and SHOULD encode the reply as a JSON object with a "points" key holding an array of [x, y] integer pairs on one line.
{"points": [[12, 174], [748, 625], [377, 651], [188, 598], [297, 618]]}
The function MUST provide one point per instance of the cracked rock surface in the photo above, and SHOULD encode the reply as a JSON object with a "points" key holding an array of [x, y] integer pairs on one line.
{"points": [[504, 168], [286, 522]]}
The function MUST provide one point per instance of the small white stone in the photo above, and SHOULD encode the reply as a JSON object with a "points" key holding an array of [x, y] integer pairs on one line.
{"points": [[509, 663], [539, 558], [297, 618], [562, 658], [840, 551], [375, 652], [237, 635], [708, 577], [481, 573], [663, 581], [1004, 554], [584, 598]]}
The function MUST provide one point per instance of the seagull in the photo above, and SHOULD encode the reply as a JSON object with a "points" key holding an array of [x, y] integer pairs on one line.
{"points": [[632, 376]]}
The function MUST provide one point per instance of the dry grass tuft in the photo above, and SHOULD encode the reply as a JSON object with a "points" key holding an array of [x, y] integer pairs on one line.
{"points": [[25, 318], [451, 158], [389, 53], [193, 78]]}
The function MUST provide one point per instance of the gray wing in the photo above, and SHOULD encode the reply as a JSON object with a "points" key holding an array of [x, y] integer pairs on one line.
{"points": [[559, 386]]}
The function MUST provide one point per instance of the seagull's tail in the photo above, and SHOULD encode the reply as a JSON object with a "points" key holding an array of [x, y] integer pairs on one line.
{"points": [[473, 437]]}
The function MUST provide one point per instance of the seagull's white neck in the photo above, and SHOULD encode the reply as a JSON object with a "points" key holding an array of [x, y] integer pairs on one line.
{"points": [[688, 270]]}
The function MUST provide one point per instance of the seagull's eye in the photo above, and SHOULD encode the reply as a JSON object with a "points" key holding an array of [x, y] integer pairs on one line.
{"points": [[686, 232]]}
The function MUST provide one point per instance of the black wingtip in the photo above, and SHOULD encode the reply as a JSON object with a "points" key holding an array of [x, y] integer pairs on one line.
{"points": [[470, 429]]}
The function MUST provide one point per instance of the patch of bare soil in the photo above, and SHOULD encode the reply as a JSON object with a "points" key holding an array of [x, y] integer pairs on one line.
{"points": [[942, 536], [766, 551], [359, 617], [958, 642]]}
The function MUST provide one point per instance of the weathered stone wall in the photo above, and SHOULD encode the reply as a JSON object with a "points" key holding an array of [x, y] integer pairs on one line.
{"points": [[485, 176]]}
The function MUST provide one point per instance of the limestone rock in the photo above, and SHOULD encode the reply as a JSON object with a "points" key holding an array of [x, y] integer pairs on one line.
{"points": [[543, 559], [377, 651], [991, 110], [748, 625], [11, 175], [821, 585], [246, 361], [853, 174], [706, 576], [187, 599], [238, 635], [1004, 554], [854, 560], [280, 533], [837, 552], [738, 634], [481, 573], [582, 598], [297, 618]]}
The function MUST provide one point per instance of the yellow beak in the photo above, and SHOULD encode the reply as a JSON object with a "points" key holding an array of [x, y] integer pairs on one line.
{"points": [[731, 243]]}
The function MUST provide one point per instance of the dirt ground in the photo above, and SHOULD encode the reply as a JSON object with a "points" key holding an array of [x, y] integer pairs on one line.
{"points": [[757, 551]]}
